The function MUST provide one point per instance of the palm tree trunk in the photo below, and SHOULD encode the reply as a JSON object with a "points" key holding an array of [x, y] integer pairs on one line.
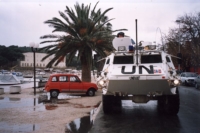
{"points": [[86, 69]]}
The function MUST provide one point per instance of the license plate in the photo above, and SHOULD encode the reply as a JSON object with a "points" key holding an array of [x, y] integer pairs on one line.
{"points": [[134, 78]]}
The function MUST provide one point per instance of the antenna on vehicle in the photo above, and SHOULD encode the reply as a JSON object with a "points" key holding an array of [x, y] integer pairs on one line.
{"points": [[136, 44]]}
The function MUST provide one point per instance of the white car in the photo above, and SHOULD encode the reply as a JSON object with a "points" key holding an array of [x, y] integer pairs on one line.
{"points": [[187, 78]]}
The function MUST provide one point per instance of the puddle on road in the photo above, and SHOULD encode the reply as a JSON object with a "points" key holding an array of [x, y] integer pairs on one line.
{"points": [[81, 125], [43, 99], [19, 128], [67, 96], [44, 103], [12, 102], [14, 99], [1, 98]]}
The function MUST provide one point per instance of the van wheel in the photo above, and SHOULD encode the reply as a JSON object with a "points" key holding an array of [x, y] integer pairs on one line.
{"points": [[169, 104], [90, 92], [54, 93]]}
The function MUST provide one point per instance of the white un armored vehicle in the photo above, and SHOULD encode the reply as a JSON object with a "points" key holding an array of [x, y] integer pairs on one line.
{"points": [[141, 73]]}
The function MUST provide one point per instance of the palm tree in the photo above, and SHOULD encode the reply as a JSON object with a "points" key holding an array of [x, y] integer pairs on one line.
{"points": [[85, 31]]}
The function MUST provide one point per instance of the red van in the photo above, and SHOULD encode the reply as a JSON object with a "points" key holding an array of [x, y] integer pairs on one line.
{"points": [[69, 83]]}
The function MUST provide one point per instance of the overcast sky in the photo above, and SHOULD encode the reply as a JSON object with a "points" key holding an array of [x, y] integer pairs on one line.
{"points": [[22, 21]]}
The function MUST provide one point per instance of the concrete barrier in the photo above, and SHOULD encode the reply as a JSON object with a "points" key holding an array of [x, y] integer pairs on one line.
{"points": [[15, 89], [1, 91]]}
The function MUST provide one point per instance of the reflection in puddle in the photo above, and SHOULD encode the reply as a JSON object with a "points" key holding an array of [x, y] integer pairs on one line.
{"points": [[10, 102], [1, 98], [81, 106], [62, 98], [19, 128], [50, 107], [81, 125], [52, 103], [14, 99], [66, 96], [42, 98]]}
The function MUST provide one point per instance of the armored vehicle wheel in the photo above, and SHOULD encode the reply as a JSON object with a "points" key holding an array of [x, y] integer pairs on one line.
{"points": [[111, 104], [117, 104], [107, 104], [169, 104]]}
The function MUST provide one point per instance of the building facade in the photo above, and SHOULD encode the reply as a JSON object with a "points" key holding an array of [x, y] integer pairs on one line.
{"points": [[28, 61]]}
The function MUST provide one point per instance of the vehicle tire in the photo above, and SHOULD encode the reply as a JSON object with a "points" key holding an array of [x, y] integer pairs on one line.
{"points": [[54, 93], [111, 104], [196, 86], [107, 104], [169, 104], [160, 105], [117, 104], [185, 83], [91, 92]]}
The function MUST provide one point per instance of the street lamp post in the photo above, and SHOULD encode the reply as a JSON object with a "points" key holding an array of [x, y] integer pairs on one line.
{"points": [[179, 49], [34, 49]]}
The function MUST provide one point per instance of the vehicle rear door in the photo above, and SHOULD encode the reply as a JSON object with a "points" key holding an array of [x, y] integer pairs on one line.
{"points": [[75, 84], [64, 83]]}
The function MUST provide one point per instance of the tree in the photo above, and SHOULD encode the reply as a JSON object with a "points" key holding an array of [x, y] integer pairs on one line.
{"points": [[188, 37], [84, 31], [10, 55]]}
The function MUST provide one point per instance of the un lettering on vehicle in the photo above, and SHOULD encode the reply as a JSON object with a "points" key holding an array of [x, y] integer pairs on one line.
{"points": [[140, 69]]}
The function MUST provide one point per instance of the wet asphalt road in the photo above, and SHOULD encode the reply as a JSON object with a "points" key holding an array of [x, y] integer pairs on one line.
{"points": [[135, 118], [143, 118]]}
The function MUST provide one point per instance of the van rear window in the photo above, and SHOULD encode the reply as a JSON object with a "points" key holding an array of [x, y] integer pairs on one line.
{"points": [[123, 59], [151, 59]]}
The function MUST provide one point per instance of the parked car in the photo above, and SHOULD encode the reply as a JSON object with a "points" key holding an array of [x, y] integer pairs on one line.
{"points": [[197, 82], [187, 78], [69, 83]]}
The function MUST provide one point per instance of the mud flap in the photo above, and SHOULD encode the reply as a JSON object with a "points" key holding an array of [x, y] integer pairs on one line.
{"points": [[111, 104]]}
